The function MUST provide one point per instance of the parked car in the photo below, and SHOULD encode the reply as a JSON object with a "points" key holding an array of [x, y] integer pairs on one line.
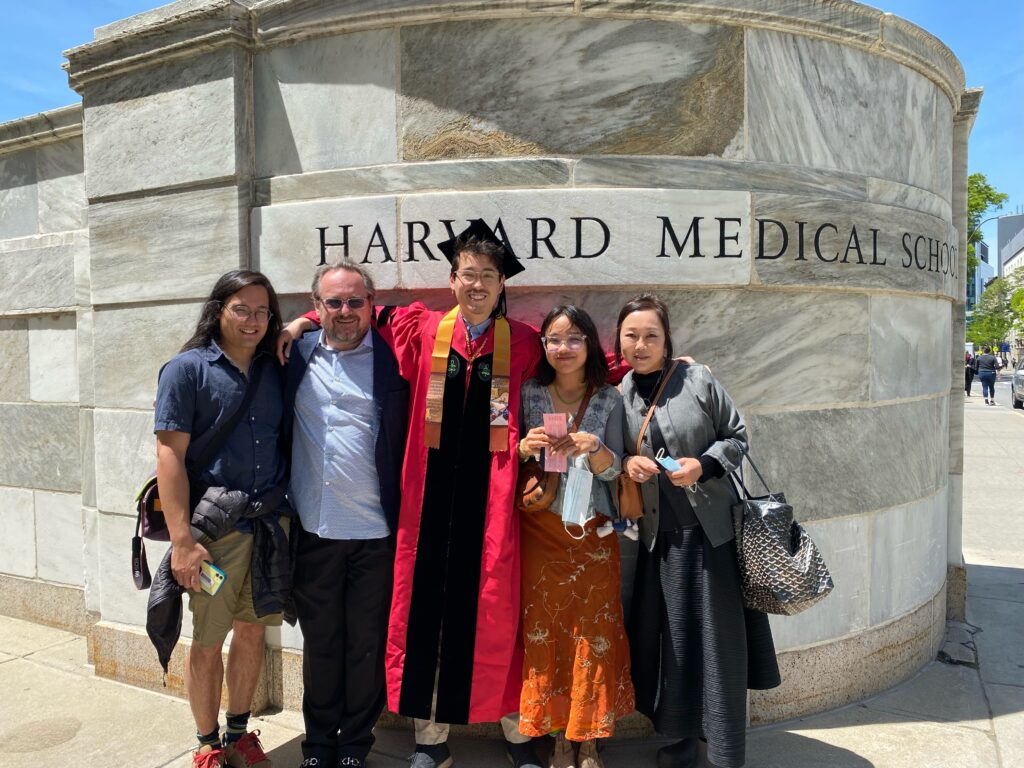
{"points": [[1017, 387]]}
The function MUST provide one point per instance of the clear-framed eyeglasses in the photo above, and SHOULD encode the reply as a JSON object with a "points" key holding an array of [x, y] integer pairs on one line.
{"points": [[489, 277], [572, 343], [243, 313]]}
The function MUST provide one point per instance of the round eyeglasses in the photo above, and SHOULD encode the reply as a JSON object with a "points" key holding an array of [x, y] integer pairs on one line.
{"points": [[488, 277], [572, 343], [243, 313]]}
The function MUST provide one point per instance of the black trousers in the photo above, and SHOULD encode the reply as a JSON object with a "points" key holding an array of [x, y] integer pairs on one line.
{"points": [[342, 592]]}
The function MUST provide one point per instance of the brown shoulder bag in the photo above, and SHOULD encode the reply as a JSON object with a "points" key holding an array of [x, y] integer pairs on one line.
{"points": [[537, 489], [627, 491]]}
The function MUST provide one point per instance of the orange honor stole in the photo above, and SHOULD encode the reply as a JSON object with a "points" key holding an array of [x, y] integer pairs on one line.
{"points": [[499, 382]]}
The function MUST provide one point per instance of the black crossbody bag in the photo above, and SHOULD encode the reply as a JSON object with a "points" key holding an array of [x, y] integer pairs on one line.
{"points": [[149, 521]]}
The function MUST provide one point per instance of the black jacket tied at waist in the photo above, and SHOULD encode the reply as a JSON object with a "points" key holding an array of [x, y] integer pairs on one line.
{"points": [[213, 517]]}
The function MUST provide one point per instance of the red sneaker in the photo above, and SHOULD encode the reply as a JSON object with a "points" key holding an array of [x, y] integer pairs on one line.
{"points": [[208, 757], [247, 752]]}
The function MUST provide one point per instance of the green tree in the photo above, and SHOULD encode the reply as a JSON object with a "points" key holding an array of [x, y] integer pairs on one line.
{"points": [[981, 198], [997, 311]]}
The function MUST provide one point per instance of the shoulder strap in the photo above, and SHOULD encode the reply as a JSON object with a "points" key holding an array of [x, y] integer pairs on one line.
{"points": [[227, 426], [582, 410], [654, 404]]}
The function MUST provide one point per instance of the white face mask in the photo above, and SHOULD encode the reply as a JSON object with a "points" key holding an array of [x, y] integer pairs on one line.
{"points": [[576, 509]]}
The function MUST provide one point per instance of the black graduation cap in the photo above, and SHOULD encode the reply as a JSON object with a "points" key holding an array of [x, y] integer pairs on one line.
{"points": [[510, 264]]}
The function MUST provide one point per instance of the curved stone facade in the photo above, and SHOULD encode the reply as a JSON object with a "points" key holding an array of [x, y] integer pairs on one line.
{"points": [[790, 177]]}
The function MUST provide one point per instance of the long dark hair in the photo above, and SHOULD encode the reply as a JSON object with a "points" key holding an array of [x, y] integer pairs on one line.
{"points": [[595, 370], [230, 283], [642, 303]]}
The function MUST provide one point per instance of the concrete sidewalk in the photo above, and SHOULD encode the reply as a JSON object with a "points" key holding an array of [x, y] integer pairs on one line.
{"points": [[53, 711]]}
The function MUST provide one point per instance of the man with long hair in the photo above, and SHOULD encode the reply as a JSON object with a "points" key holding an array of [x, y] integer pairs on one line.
{"points": [[199, 409]]}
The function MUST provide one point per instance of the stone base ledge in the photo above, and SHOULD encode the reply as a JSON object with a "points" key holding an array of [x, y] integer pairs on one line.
{"points": [[956, 592], [55, 605], [839, 672], [815, 678]]}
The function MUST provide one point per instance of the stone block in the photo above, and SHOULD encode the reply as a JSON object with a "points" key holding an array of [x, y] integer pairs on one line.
{"points": [[835, 673], [61, 186], [855, 245], [846, 461], [570, 86], [39, 274], [19, 207], [287, 244], [483, 173], [39, 447], [119, 600], [53, 358], [595, 237], [87, 451], [176, 123], [35, 603], [84, 347], [326, 103], [60, 543], [886, 192], [170, 246], [14, 376], [846, 610], [908, 556], [93, 585], [850, 110], [717, 173], [125, 653], [767, 350], [125, 457], [910, 341], [17, 531], [140, 340], [278, 22], [956, 425]]}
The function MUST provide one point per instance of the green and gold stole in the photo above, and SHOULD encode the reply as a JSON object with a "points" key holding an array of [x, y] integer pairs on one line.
{"points": [[499, 382]]}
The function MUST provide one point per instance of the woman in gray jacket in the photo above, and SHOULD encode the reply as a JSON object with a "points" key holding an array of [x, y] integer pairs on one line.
{"points": [[695, 648]]}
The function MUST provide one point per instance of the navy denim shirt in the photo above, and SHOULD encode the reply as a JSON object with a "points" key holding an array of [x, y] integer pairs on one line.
{"points": [[201, 387]]}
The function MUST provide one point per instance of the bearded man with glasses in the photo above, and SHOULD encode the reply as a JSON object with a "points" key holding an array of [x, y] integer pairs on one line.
{"points": [[346, 419], [452, 652]]}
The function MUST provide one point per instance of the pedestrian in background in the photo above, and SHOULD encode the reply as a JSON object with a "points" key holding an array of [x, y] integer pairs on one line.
{"points": [[968, 372], [986, 364]]}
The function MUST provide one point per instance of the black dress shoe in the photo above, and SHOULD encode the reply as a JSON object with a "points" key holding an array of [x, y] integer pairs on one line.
{"points": [[522, 755], [682, 754]]}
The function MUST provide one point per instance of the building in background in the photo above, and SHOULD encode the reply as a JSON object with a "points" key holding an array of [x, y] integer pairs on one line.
{"points": [[1009, 229], [983, 274]]}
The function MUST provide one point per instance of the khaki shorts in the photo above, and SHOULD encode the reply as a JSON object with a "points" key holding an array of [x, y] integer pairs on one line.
{"points": [[213, 615]]}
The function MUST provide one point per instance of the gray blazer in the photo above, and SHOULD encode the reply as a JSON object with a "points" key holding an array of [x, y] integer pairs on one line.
{"points": [[696, 418]]}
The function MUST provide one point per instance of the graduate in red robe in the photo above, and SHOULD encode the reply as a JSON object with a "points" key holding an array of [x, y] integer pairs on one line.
{"points": [[453, 651]]}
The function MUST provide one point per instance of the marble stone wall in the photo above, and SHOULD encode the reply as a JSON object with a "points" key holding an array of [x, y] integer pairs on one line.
{"points": [[789, 176], [43, 244]]}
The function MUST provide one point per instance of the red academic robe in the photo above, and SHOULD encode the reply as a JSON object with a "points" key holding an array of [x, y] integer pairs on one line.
{"points": [[455, 607]]}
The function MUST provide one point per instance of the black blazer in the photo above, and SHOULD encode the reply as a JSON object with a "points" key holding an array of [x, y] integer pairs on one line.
{"points": [[391, 394]]}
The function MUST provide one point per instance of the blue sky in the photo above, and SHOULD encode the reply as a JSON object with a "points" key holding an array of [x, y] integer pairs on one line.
{"points": [[984, 34]]}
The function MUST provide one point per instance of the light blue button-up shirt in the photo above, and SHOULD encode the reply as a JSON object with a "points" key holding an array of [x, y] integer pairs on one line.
{"points": [[334, 482], [478, 330]]}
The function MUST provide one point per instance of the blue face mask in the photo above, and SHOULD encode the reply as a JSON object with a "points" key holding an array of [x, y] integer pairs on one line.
{"points": [[576, 508]]}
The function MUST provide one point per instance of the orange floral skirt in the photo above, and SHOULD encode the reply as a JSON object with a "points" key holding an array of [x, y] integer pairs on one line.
{"points": [[576, 671]]}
